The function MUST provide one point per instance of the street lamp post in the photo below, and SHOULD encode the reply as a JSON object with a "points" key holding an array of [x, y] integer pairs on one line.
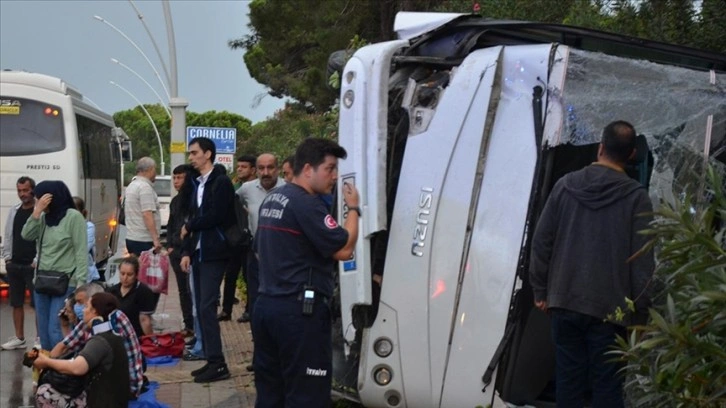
{"points": [[156, 47], [158, 137], [163, 104], [178, 105], [101, 19]]}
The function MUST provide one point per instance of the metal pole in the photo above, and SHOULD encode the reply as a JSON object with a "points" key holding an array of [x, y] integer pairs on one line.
{"points": [[172, 47], [178, 105], [156, 47], [163, 104], [101, 19], [158, 138]]}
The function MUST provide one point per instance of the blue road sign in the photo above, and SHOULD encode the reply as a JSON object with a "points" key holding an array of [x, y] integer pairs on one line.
{"points": [[225, 139]]}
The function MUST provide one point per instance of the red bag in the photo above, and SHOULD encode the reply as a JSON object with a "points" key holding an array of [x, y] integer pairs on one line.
{"points": [[163, 344], [154, 271]]}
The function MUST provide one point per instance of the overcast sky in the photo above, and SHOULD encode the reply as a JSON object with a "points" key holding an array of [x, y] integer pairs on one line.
{"points": [[62, 39]]}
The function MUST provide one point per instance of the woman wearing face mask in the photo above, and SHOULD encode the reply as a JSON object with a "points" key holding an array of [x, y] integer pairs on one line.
{"points": [[103, 359], [136, 299], [60, 232], [72, 313]]}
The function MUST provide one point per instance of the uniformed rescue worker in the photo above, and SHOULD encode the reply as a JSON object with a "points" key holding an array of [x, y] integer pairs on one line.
{"points": [[297, 243]]}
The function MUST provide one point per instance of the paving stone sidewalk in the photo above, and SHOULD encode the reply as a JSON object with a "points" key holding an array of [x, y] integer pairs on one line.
{"points": [[177, 387]]}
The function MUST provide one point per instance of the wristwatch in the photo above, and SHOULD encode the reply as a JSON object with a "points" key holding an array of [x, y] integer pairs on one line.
{"points": [[356, 209]]}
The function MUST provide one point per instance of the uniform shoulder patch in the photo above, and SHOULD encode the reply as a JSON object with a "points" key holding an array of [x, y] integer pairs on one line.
{"points": [[330, 222]]}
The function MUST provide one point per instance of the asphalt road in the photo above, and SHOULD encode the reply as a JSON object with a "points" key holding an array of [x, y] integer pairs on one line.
{"points": [[16, 386]]}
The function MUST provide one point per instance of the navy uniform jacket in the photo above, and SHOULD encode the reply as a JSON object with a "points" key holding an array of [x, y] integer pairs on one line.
{"points": [[296, 238]]}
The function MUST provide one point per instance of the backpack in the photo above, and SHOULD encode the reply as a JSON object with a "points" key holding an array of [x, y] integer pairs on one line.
{"points": [[238, 234]]}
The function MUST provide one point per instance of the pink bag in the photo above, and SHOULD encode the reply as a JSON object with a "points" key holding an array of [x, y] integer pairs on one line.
{"points": [[154, 271]]}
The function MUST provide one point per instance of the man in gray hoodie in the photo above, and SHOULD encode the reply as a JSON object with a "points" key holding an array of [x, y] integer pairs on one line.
{"points": [[581, 268]]}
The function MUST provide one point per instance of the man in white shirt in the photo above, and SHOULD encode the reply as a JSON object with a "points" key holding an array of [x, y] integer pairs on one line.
{"points": [[254, 192], [141, 206]]}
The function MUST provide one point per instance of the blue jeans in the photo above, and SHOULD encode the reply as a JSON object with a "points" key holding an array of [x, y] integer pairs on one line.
{"points": [[46, 313], [198, 349], [581, 342]]}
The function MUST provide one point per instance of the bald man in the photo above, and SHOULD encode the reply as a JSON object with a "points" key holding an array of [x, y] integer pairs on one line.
{"points": [[253, 193]]}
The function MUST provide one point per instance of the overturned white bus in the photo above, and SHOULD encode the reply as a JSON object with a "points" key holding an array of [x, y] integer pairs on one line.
{"points": [[456, 132]]}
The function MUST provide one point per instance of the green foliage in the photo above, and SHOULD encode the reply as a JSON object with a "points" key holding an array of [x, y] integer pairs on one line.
{"points": [[291, 41], [138, 127], [287, 128], [679, 355]]}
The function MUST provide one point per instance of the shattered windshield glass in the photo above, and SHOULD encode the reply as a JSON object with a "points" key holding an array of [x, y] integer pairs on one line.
{"points": [[682, 113]]}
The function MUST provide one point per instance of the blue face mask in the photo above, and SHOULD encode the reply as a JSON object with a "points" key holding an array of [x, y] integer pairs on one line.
{"points": [[78, 310]]}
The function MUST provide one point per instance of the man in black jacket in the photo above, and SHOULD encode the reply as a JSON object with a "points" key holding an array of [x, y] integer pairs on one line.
{"points": [[206, 249], [581, 268]]}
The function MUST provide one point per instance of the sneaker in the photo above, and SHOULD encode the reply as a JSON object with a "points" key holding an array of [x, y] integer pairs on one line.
{"points": [[244, 318], [224, 316], [216, 372], [200, 370], [189, 356], [13, 343]]}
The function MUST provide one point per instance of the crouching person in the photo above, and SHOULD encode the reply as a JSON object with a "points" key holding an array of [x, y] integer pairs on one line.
{"points": [[82, 333], [102, 360]]}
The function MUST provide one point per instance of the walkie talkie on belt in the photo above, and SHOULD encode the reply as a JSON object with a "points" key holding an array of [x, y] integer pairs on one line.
{"points": [[308, 296]]}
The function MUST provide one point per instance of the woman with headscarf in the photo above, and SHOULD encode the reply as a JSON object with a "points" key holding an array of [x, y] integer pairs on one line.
{"points": [[60, 232], [103, 360]]}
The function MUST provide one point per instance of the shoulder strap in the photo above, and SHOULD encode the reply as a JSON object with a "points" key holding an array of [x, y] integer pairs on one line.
{"points": [[40, 242]]}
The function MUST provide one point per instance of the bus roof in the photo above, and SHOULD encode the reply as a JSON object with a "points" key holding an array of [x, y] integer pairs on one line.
{"points": [[54, 84], [38, 80]]}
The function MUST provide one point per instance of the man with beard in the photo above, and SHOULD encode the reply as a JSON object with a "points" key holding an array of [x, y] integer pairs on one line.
{"points": [[18, 255], [253, 193]]}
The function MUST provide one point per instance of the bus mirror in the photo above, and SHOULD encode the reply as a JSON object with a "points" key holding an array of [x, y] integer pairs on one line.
{"points": [[122, 151], [126, 151]]}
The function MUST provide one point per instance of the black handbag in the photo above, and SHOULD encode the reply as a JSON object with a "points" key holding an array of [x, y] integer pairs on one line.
{"points": [[49, 282], [70, 385]]}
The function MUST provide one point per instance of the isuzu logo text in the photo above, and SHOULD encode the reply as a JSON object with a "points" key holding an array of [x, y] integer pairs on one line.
{"points": [[422, 221]]}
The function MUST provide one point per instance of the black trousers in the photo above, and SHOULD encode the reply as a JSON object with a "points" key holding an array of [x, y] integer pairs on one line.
{"points": [[293, 354], [230, 279], [208, 277], [185, 294]]}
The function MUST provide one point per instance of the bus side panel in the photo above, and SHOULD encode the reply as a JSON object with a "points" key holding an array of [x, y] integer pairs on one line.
{"points": [[101, 175], [497, 232], [425, 247]]}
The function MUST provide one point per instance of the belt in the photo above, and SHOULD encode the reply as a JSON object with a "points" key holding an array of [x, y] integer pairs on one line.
{"points": [[298, 297]]}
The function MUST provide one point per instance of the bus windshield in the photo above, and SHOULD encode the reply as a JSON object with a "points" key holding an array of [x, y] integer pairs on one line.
{"points": [[29, 127]]}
